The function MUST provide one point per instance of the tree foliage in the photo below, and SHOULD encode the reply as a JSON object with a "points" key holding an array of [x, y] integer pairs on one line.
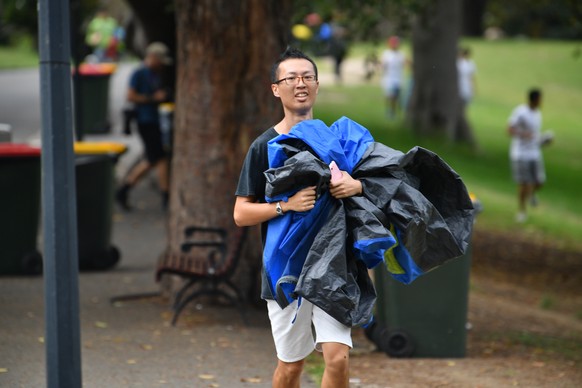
{"points": [[20, 17], [556, 19]]}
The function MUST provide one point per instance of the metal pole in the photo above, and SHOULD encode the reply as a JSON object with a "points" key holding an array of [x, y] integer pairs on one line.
{"points": [[62, 338]]}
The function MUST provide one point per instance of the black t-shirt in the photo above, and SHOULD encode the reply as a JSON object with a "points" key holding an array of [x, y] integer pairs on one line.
{"points": [[252, 182]]}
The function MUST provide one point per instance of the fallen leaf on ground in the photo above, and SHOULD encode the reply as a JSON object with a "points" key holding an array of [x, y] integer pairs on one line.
{"points": [[255, 380], [3, 370], [538, 364], [101, 325], [41, 340], [131, 361], [206, 377], [451, 363], [146, 347]]}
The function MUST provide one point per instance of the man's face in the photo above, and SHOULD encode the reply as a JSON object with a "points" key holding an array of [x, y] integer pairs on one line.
{"points": [[153, 61], [536, 103], [298, 96]]}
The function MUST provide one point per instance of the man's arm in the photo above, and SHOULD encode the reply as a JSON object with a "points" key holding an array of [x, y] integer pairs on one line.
{"points": [[249, 212], [521, 133], [136, 98]]}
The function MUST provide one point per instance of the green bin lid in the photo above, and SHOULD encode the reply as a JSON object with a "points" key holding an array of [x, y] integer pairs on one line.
{"points": [[15, 150]]}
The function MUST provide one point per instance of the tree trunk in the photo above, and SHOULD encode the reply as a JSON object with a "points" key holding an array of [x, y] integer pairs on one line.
{"points": [[223, 101], [435, 105]]}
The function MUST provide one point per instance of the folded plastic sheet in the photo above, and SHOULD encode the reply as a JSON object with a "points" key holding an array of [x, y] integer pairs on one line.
{"points": [[415, 215]]}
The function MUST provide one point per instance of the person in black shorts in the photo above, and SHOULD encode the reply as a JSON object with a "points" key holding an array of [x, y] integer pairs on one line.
{"points": [[146, 92]]}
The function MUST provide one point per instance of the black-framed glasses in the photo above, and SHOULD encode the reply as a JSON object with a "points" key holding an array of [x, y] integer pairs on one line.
{"points": [[294, 79]]}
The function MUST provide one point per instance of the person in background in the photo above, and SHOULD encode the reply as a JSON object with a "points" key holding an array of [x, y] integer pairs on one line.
{"points": [[466, 70], [393, 62], [146, 91], [527, 164], [101, 35]]}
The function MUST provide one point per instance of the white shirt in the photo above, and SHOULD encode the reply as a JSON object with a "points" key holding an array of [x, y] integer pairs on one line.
{"points": [[526, 120], [466, 70], [393, 67]]}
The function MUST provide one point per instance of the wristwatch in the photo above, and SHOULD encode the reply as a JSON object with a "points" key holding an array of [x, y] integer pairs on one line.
{"points": [[279, 209]]}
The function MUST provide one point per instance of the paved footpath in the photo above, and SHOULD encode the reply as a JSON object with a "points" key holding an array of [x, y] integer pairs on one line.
{"points": [[132, 344]]}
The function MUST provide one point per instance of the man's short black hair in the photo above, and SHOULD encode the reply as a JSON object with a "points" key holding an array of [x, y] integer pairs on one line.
{"points": [[290, 53], [534, 95]]}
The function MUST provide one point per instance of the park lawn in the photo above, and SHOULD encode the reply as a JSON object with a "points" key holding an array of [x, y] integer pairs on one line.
{"points": [[506, 70], [19, 55]]}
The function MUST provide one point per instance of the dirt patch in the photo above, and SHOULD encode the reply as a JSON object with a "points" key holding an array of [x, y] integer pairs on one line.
{"points": [[525, 314]]}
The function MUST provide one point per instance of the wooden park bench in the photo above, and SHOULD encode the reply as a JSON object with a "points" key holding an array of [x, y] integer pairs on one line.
{"points": [[208, 259]]}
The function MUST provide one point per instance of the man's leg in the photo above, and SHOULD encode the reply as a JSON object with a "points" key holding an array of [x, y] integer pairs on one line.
{"points": [[291, 328], [336, 373], [335, 341], [134, 175], [162, 169], [137, 172], [287, 374], [525, 191]]}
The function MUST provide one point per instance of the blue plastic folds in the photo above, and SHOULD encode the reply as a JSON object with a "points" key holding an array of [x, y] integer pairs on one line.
{"points": [[414, 215]]}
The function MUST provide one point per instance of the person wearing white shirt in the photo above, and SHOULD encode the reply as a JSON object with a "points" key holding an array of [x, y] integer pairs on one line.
{"points": [[525, 153], [393, 62], [466, 70]]}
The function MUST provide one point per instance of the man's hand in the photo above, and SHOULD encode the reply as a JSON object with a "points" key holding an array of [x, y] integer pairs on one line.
{"points": [[160, 95], [302, 201], [345, 187]]}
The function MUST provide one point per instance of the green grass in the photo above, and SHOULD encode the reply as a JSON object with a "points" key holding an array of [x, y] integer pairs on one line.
{"points": [[546, 346], [19, 55], [314, 366], [506, 70]]}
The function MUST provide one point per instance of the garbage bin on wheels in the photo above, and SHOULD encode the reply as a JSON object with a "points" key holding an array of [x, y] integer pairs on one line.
{"points": [[95, 181], [20, 208], [92, 95], [427, 318]]}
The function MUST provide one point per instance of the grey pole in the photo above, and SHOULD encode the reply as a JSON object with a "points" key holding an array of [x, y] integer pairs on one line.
{"points": [[62, 332]]}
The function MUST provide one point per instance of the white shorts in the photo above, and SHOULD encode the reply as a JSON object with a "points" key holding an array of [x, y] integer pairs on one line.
{"points": [[295, 340]]}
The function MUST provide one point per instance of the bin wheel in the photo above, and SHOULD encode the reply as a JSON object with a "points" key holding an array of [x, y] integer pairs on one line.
{"points": [[396, 343], [372, 332], [32, 263], [107, 260]]}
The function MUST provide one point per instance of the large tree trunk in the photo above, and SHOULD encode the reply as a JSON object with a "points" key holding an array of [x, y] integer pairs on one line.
{"points": [[435, 105], [223, 101]]}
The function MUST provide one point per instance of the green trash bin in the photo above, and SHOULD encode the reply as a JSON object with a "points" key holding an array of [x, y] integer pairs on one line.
{"points": [[427, 318], [20, 208], [92, 115], [95, 181]]}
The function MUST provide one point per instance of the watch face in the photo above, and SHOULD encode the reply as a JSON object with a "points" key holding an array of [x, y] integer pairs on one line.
{"points": [[279, 210]]}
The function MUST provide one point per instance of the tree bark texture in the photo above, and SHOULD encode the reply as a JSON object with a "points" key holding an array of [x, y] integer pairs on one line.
{"points": [[225, 50], [435, 105]]}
